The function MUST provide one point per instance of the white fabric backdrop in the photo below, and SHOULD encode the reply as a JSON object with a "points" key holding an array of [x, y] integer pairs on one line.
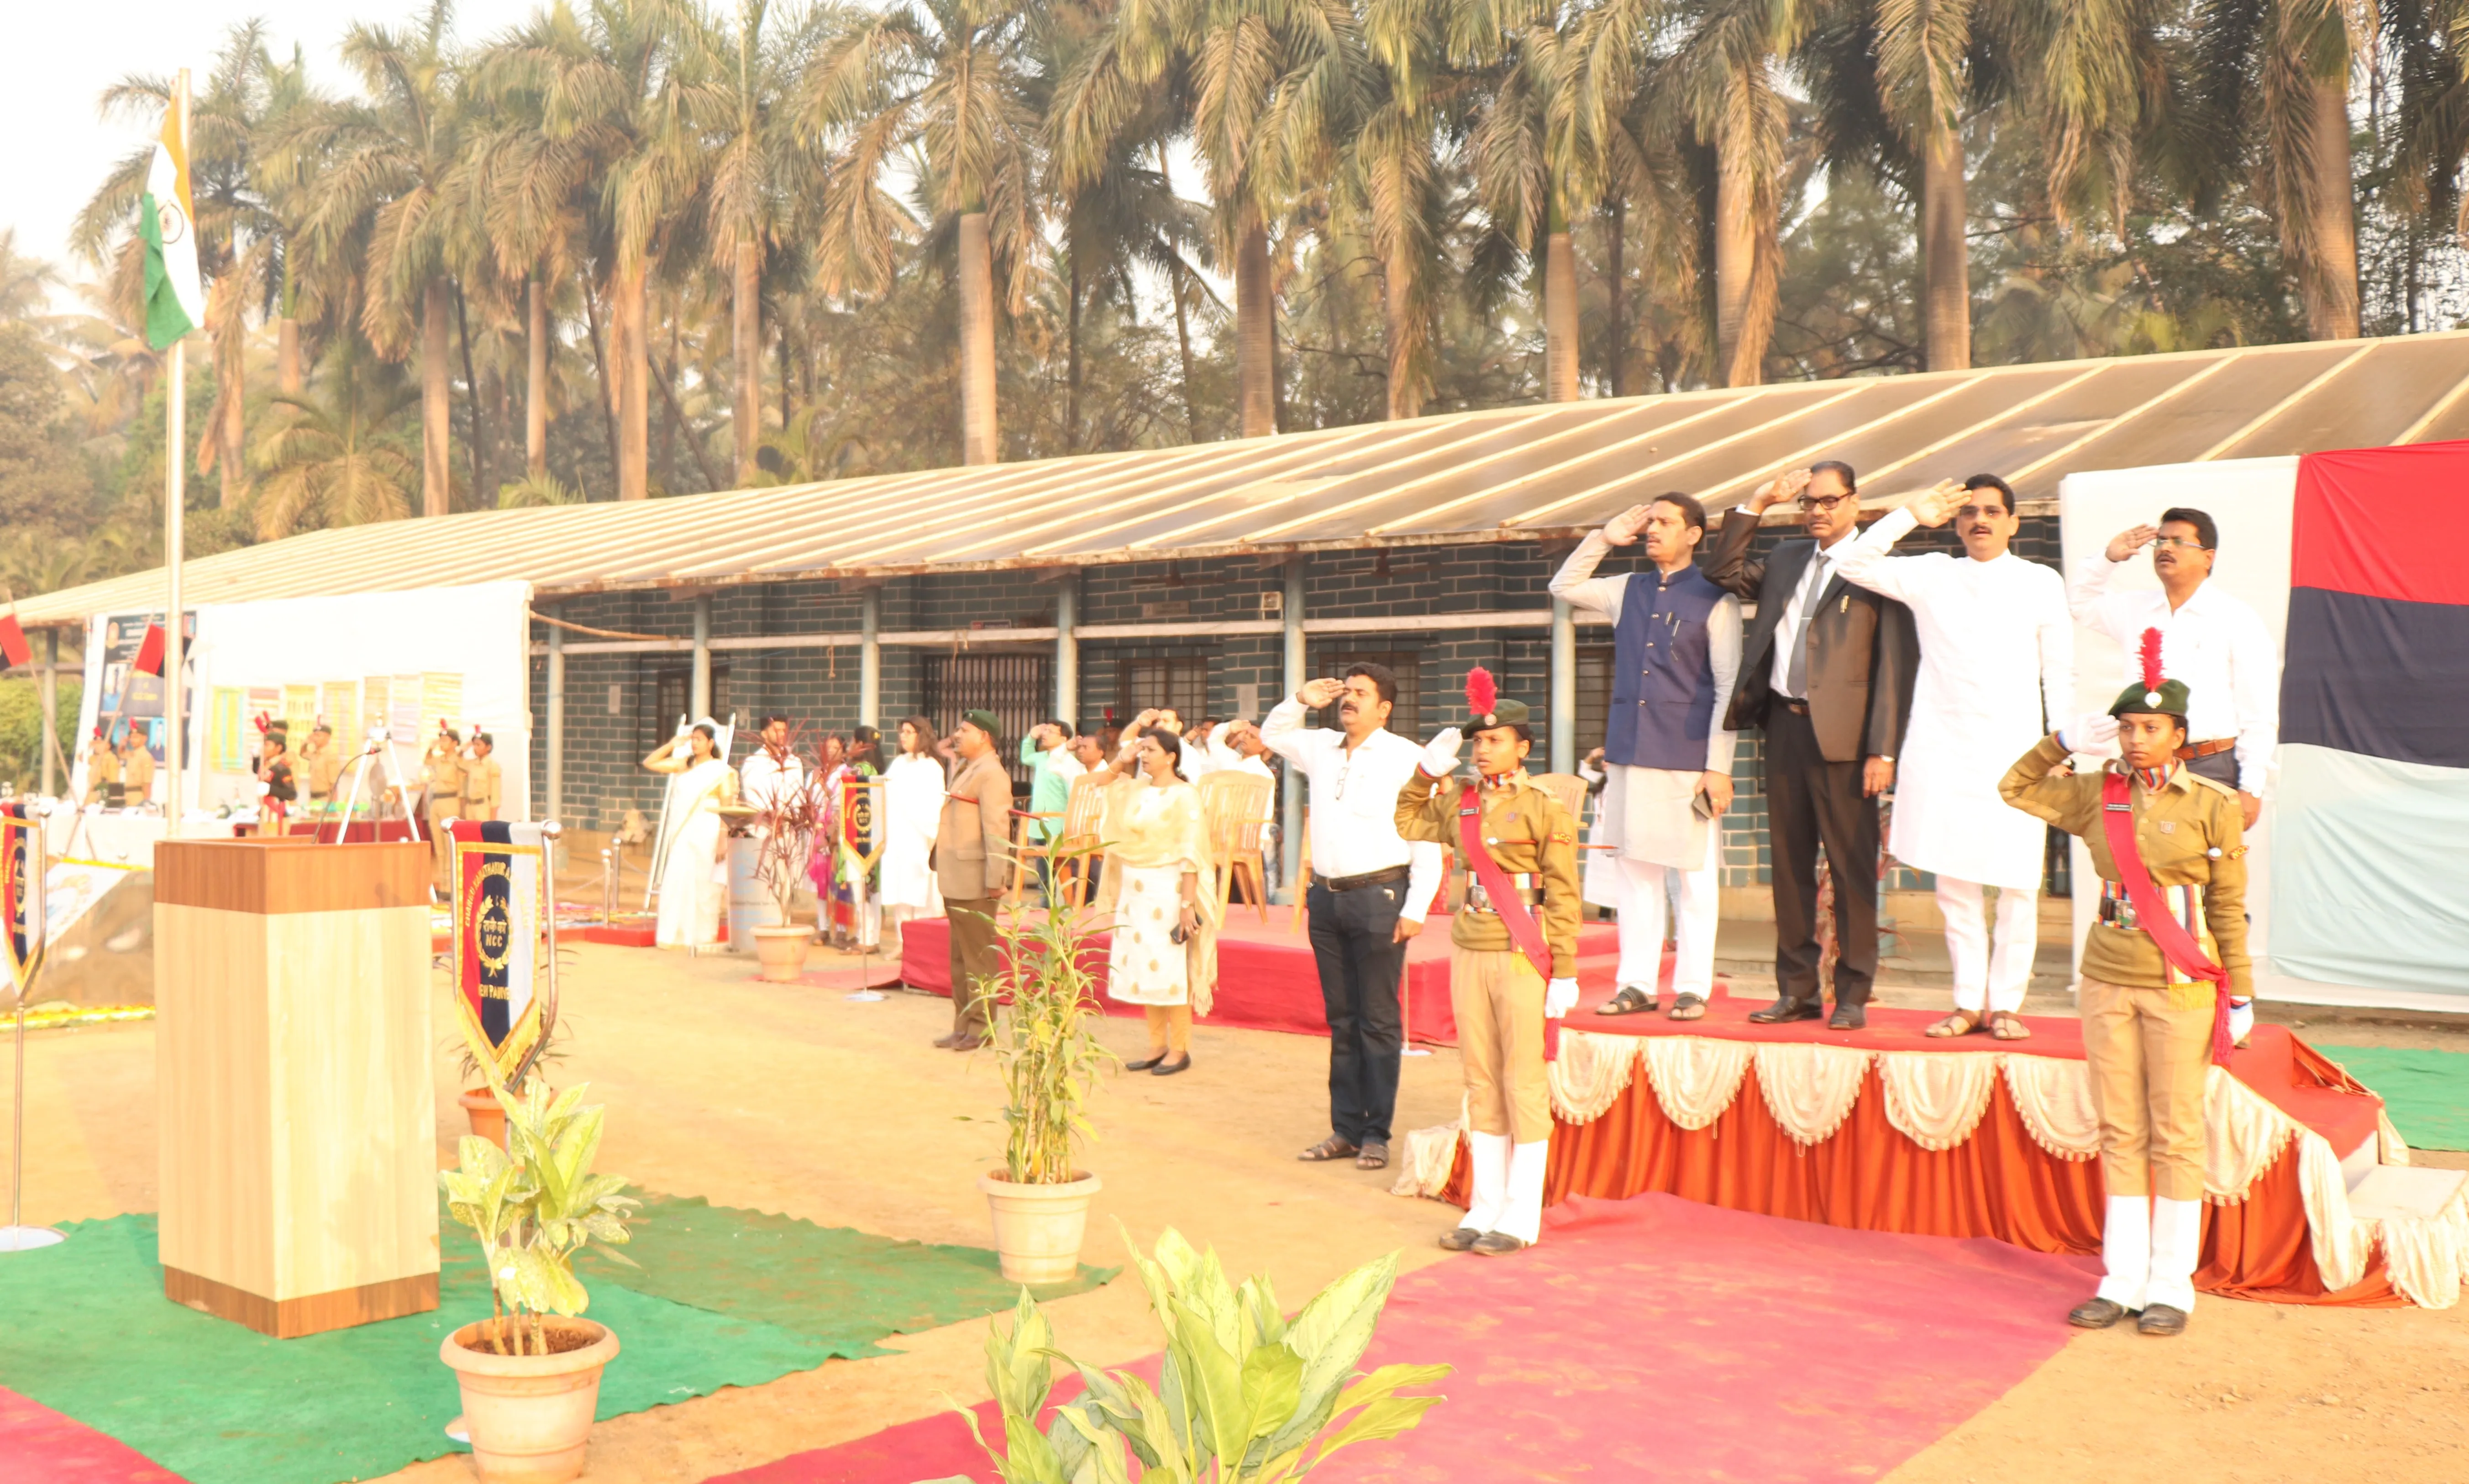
{"points": [[2252, 501], [481, 632]]}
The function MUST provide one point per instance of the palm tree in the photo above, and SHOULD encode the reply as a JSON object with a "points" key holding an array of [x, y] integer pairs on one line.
{"points": [[337, 462], [1728, 63], [2274, 77], [1419, 93], [946, 79], [381, 170], [1926, 77]]}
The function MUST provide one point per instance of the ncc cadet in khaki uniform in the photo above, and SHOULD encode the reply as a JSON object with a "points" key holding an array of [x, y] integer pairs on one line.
{"points": [[102, 769], [1496, 944], [2166, 984], [484, 783], [442, 766], [136, 768], [318, 765]]}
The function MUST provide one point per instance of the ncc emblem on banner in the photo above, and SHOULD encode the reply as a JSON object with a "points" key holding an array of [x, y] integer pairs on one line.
{"points": [[501, 896], [21, 892], [862, 834]]}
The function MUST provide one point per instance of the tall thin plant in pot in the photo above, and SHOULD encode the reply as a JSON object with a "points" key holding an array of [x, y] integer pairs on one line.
{"points": [[1045, 1011], [530, 1373], [787, 823]]}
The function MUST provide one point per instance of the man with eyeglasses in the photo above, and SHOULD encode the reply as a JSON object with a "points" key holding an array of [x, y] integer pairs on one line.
{"points": [[1369, 891], [1996, 673], [2209, 638], [1826, 671]]}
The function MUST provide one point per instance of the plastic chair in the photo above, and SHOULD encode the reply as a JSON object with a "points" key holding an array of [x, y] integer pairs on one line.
{"points": [[1234, 806], [1083, 813]]}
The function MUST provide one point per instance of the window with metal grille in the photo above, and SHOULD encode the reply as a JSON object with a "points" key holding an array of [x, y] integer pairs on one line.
{"points": [[1017, 687], [1594, 696], [1405, 718], [1180, 681], [667, 692]]}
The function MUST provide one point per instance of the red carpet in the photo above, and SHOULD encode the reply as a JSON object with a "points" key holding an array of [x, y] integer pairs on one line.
{"points": [[38, 1446], [1656, 1338], [1267, 979]]}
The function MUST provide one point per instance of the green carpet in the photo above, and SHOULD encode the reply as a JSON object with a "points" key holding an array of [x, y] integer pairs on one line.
{"points": [[724, 1299], [2425, 1092]]}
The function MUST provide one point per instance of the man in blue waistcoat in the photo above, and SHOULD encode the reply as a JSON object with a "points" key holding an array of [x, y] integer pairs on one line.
{"points": [[1676, 648]]}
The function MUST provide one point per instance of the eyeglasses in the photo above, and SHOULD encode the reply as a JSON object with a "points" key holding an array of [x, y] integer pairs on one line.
{"points": [[1826, 502], [1975, 512], [2182, 542]]}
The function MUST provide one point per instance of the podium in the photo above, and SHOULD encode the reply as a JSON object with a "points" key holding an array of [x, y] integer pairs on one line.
{"points": [[295, 1074]]}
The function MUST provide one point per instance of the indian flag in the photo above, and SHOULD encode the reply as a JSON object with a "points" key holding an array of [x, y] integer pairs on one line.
{"points": [[175, 303]]}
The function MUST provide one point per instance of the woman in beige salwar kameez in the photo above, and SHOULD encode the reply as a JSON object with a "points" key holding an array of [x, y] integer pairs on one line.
{"points": [[1161, 887]]}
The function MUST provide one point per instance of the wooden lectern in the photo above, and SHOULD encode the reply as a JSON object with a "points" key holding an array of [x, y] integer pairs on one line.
{"points": [[295, 1069]]}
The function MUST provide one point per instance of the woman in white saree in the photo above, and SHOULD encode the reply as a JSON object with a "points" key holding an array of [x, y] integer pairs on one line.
{"points": [[912, 802], [689, 854]]}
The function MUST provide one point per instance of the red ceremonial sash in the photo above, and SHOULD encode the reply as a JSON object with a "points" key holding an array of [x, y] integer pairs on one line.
{"points": [[2152, 911], [1523, 929]]}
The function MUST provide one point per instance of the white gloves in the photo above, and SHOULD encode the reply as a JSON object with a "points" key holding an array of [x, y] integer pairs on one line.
{"points": [[1441, 754], [2093, 732], [1559, 997], [2240, 1018]]}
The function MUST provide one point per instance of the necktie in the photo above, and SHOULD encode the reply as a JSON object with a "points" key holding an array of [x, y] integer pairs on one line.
{"points": [[1796, 678]]}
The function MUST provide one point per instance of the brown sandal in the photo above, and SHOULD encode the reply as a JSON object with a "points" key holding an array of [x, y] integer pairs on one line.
{"points": [[1375, 1156], [2007, 1025], [1328, 1149], [1963, 1022]]}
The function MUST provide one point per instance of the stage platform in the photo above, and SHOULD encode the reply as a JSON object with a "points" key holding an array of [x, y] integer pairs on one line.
{"points": [[1267, 979]]}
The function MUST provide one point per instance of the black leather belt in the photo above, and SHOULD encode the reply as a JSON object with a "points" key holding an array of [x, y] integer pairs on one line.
{"points": [[1798, 708], [1380, 877]]}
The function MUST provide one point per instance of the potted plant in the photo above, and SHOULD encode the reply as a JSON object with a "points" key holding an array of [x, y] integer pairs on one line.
{"points": [[530, 1373], [1050, 1060], [786, 821], [1243, 1394], [479, 1104]]}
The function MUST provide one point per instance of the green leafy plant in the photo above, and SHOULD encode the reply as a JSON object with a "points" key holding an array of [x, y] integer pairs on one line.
{"points": [[1044, 1042], [1243, 1396], [533, 1205]]}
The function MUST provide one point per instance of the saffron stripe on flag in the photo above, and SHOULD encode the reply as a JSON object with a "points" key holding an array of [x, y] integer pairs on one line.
{"points": [[2377, 676]]}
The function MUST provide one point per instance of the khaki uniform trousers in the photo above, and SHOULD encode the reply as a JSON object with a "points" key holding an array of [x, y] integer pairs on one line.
{"points": [[977, 959], [2148, 1060], [1498, 999], [441, 849]]}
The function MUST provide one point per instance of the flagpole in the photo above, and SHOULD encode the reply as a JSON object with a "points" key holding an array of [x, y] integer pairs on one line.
{"points": [[175, 494]]}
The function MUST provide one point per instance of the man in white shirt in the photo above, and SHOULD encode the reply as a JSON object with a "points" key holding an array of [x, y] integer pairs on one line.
{"points": [[1667, 745], [771, 774], [2209, 638], [1998, 674], [1370, 892]]}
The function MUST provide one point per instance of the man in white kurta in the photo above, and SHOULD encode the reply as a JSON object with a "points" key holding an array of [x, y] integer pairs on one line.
{"points": [[1676, 649], [1997, 674]]}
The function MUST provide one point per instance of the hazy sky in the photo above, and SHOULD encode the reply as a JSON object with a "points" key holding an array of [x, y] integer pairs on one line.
{"points": [[62, 54]]}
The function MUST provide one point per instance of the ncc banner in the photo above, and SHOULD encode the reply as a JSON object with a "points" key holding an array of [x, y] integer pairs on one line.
{"points": [[22, 891], [498, 909]]}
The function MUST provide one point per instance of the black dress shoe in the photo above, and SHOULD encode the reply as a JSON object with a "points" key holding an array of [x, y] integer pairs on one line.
{"points": [[2095, 1314], [2162, 1320], [1169, 1068], [1785, 1008], [1461, 1240], [1144, 1063], [1849, 1018], [1497, 1243]]}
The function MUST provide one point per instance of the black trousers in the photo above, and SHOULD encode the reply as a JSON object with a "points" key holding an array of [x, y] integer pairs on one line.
{"points": [[1353, 938], [2220, 768], [1811, 802]]}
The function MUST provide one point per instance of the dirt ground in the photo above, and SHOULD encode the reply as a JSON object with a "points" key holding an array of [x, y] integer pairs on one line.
{"points": [[796, 1099]]}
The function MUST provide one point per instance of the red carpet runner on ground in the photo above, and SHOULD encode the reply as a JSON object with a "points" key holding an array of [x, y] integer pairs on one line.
{"points": [[1266, 976], [1996, 1181], [1650, 1339], [38, 1446]]}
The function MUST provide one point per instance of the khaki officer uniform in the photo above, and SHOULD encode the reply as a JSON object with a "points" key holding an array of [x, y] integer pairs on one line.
{"points": [[972, 866], [484, 787], [444, 766], [137, 775], [319, 763], [102, 766], [2146, 1025]]}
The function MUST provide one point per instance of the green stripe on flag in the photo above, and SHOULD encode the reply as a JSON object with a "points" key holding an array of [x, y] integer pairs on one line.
{"points": [[166, 321]]}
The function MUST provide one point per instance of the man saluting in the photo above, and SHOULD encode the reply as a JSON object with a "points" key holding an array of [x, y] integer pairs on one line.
{"points": [[1519, 924], [2166, 988]]}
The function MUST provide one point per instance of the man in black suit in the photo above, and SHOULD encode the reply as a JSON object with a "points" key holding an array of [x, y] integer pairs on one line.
{"points": [[1827, 670]]}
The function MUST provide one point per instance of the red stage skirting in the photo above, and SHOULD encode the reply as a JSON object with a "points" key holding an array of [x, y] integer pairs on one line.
{"points": [[1999, 1182], [1267, 979]]}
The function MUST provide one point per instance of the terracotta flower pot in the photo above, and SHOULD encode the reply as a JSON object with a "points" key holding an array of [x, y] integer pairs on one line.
{"points": [[782, 952], [1039, 1228], [487, 1114], [530, 1416]]}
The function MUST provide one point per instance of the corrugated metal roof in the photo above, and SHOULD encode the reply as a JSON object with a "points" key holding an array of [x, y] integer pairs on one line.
{"points": [[1512, 473]]}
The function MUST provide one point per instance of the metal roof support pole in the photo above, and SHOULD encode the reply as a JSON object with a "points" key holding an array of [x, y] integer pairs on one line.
{"points": [[1067, 647], [699, 689], [869, 657], [1564, 687], [1290, 820], [51, 705], [556, 730]]}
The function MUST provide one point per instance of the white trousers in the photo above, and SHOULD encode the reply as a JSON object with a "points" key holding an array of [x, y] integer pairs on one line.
{"points": [[1998, 973], [1508, 1179], [2149, 1252], [1643, 904]]}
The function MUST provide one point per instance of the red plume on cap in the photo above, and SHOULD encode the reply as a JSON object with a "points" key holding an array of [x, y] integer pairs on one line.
{"points": [[1482, 694], [2151, 652]]}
